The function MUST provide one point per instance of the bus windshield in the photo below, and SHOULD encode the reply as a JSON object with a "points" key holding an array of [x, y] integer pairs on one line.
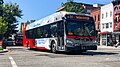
{"points": [[80, 28]]}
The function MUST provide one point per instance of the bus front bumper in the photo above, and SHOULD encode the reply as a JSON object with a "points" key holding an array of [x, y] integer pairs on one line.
{"points": [[81, 48]]}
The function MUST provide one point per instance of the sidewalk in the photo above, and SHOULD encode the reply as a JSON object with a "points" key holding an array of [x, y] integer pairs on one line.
{"points": [[4, 50], [109, 47]]}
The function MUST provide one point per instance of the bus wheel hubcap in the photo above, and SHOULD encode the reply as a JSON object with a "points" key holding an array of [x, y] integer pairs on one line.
{"points": [[53, 48]]}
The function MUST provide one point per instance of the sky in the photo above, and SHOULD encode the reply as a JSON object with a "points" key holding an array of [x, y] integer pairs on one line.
{"points": [[37, 9]]}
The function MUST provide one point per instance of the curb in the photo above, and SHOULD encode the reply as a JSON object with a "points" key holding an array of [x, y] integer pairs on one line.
{"points": [[4, 50], [109, 47]]}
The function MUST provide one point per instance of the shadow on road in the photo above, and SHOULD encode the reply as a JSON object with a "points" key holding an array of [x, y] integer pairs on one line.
{"points": [[64, 54], [78, 53], [88, 53], [92, 53]]}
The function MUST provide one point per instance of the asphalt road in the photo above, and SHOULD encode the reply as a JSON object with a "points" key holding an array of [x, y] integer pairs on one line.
{"points": [[18, 56]]}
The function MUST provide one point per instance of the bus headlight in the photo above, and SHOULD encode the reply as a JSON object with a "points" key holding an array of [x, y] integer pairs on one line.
{"points": [[70, 43]]}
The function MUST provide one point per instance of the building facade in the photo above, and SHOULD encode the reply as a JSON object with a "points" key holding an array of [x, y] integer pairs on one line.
{"points": [[106, 25], [24, 24], [95, 13], [116, 18]]}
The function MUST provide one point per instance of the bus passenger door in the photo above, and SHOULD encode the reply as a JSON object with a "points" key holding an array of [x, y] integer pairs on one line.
{"points": [[60, 35]]}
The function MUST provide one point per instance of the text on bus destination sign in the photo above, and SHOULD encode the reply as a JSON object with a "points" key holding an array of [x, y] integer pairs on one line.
{"points": [[77, 17]]}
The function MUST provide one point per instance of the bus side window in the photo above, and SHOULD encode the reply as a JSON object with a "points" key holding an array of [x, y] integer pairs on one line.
{"points": [[29, 34], [46, 31], [39, 32], [53, 30], [60, 29], [34, 33]]}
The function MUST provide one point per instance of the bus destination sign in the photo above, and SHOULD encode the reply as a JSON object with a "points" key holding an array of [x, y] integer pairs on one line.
{"points": [[79, 17]]}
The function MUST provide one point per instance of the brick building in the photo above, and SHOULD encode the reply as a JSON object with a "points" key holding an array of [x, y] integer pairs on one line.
{"points": [[95, 13], [116, 33]]}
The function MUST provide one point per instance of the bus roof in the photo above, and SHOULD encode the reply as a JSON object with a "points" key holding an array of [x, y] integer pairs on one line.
{"points": [[49, 19]]}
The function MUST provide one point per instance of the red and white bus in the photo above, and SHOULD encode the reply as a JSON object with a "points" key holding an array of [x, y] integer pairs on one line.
{"points": [[61, 31]]}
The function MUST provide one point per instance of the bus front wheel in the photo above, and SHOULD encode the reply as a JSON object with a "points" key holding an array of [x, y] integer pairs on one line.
{"points": [[53, 47]]}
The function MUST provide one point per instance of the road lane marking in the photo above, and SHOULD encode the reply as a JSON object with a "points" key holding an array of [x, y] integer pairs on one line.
{"points": [[12, 62]]}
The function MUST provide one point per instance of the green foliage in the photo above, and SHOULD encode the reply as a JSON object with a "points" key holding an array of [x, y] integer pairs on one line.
{"points": [[71, 6], [3, 26], [1, 48], [11, 13]]}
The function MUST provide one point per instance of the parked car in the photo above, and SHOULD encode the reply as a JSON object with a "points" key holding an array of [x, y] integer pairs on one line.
{"points": [[10, 42]]}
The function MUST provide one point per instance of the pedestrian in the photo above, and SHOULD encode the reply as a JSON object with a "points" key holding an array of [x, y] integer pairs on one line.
{"points": [[117, 44], [4, 43]]}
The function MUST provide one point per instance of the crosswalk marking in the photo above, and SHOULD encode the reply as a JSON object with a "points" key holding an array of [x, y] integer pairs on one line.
{"points": [[12, 62]]}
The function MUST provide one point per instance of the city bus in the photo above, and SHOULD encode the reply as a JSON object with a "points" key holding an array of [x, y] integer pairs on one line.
{"points": [[61, 31]]}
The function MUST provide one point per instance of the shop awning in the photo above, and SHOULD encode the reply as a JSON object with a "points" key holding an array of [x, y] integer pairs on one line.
{"points": [[106, 32], [116, 33]]}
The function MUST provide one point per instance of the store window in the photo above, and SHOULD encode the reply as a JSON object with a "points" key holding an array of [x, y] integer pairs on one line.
{"points": [[110, 13], [102, 16], [110, 24], [99, 26], [98, 17], [107, 25], [103, 26], [104, 39], [88, 11], [106, 14], [95, 18]]}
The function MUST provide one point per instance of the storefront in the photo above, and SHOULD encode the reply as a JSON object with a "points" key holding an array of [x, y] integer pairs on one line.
{"points": [[106, 39], [116, 36]]}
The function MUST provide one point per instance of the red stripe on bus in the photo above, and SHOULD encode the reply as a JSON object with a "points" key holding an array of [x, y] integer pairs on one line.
{"points": [[81, 36], [42, 48]]}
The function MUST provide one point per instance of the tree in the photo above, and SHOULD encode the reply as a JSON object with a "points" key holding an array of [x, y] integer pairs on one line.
{"points": [[3, 26], [11, 13], [71, 6]]}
